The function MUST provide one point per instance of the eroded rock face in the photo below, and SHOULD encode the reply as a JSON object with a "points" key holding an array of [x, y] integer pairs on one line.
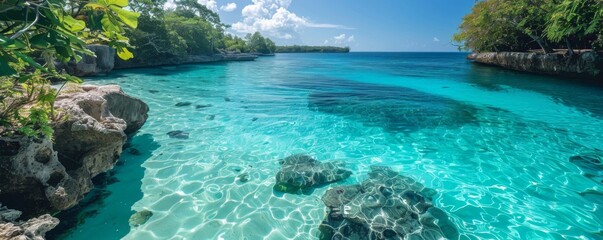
{"points": [[33, 229], [102, 63], [37, 177], [32, 179], [300, 173], [385, 206], [587, 65]]}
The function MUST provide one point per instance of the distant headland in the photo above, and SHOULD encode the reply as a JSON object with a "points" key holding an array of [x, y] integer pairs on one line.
{"points": [[311, 49]]}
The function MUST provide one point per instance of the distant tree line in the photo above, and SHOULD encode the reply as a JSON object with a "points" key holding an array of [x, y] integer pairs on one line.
{"points": [[188, 29], [521, 25], [311, 49]]}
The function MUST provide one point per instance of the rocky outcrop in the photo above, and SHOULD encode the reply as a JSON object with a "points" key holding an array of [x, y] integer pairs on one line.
{"points": [[32, 229], [587, 65], [300, 173], [37, 177], [32, 179], [176, 60], [102, 63], [385, 206]]}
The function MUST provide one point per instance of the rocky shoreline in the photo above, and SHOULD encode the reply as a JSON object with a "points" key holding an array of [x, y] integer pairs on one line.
{"points": [[105, 61], [39, 177], [587, 65]]}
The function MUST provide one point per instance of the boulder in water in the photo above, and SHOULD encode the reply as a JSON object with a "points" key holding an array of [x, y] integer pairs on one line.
{"points": [[140, 218], [385, 206], [178, 134], [300, 173], [182, 104]]}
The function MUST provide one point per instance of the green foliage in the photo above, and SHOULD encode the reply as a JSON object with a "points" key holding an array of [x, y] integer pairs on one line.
{"points": [[581, 19], [35, 34], [521, 25], [311, 49], [257, 43]]}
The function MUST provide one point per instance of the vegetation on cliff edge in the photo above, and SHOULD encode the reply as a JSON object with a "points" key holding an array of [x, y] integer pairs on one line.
{"points": [[522, 25]]}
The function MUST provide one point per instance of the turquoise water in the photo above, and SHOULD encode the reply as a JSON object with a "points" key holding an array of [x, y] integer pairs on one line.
{"points": [[495, 144]]}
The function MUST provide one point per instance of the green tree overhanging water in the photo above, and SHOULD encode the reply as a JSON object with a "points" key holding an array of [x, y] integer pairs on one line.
{"points": [[522, 25]]}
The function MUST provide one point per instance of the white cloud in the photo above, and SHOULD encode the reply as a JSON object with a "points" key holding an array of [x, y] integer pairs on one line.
{"points": [[272, 18], [229, 7], [210, 4], [435, 39], [340, 39]]}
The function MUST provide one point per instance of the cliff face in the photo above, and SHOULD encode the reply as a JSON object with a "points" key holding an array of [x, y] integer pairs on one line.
{"points": [[588, 65], [38, 177], [91, 65]]}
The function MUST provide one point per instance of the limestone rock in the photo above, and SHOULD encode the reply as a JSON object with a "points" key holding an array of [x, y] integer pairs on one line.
{"points": [[301, 172], [37, 177], [32, 229], [102, 63], [587, 65], [385, 206], [33, 180]]}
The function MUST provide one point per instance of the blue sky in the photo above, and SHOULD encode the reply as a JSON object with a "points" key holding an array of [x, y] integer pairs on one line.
{"points": [[364, 25]]}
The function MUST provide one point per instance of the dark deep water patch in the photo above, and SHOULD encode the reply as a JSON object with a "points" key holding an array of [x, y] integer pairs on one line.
{"points": [[395, 109]]}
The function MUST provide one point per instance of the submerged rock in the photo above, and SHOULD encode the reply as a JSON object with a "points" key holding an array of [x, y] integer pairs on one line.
{"points": [[300, 173], [140, 218], [178, 134], [183, 104], [385, 206], [243, 177], [591, 163], [200, 106]]}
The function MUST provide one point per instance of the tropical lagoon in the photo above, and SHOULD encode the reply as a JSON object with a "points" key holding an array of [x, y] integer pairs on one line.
{"points": [[313, 119], [495, 145]]}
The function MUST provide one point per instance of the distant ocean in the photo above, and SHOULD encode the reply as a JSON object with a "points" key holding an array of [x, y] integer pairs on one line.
{"points": [[495, 145]]}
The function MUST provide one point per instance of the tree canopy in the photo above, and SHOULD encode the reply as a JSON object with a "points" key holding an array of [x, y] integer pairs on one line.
{"points": [[34, 34], [521, 25]]}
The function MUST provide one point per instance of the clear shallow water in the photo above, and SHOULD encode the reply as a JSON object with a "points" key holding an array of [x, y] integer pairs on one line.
{"points": [[495, 144]]}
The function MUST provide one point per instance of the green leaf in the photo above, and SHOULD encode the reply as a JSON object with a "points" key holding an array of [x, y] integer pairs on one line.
{"points": [[40, 40], [108, 25], [128, 17], [124, 53], [121, 3], [11, 43], [5, 69], [73, 24], [29, 60]]}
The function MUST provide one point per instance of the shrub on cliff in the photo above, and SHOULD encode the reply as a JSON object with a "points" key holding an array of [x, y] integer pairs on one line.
{"points": [[521, 25], [36, 33]]}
